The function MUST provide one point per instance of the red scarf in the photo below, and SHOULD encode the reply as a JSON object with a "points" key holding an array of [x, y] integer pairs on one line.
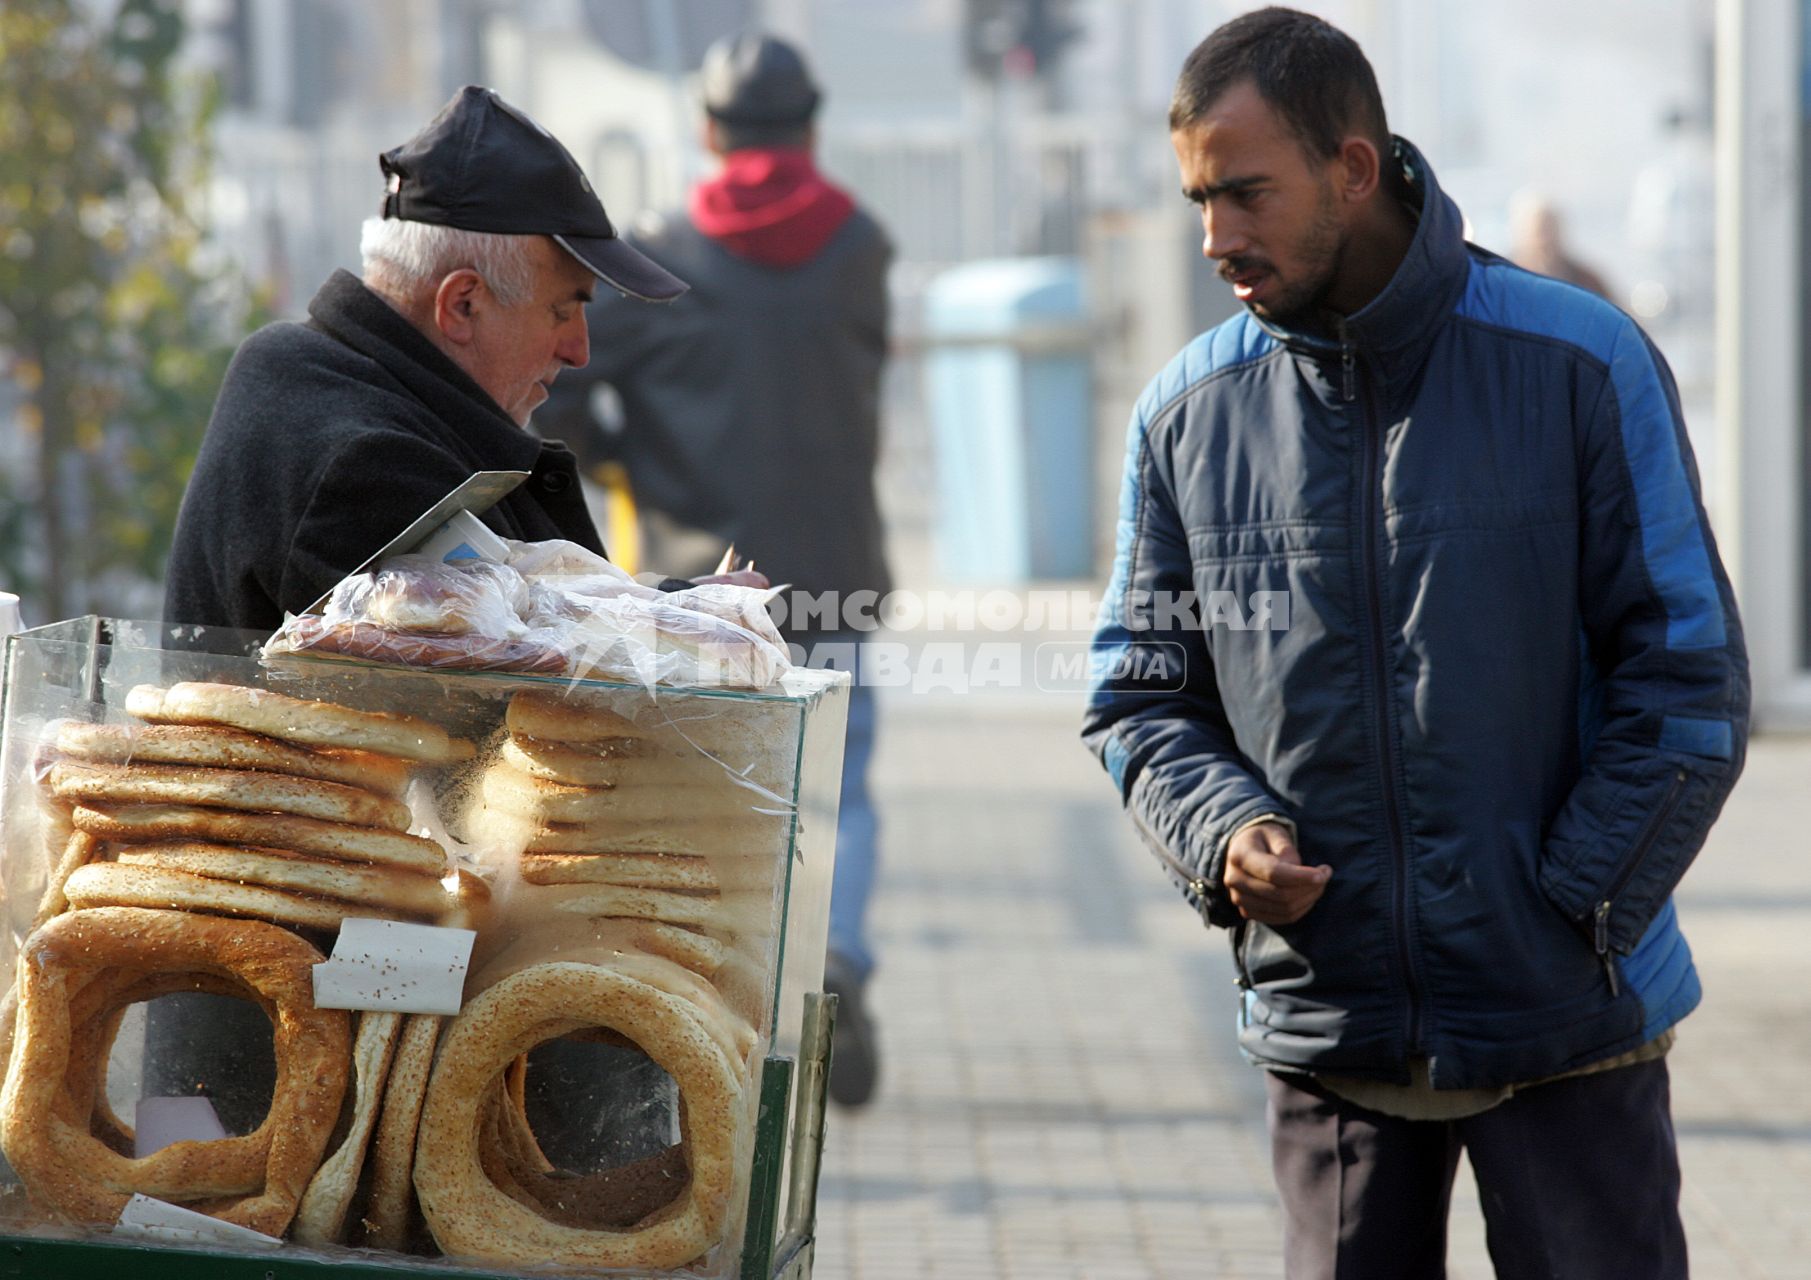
{"points": [[770, 205]]}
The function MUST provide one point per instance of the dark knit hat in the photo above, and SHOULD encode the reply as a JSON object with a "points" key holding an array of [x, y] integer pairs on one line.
{"points": [[757, 80]]}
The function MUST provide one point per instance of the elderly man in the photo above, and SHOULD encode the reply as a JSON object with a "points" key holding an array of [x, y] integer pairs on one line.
{"points": [[330, 436]]}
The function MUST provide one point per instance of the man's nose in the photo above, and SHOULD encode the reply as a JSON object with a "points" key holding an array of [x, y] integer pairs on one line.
{"points": [[574, 349], [1221, 235]]}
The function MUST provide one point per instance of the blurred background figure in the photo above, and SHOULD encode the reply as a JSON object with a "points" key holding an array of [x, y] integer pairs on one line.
{"points": [[1538, 242], [750, 414]]}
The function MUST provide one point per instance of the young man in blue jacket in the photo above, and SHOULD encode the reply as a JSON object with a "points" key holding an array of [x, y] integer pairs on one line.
{"points": [[1422, 676]]}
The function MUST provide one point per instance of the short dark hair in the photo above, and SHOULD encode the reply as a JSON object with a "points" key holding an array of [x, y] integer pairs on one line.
{"points": [[740, 137], [1309, 72]]}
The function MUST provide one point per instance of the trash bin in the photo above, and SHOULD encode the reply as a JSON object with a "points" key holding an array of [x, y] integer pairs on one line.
{"points": [[1011, 405]]}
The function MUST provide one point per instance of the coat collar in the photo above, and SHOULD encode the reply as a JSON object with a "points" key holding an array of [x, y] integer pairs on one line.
{"points": [[348, 310], [1394, 329]]}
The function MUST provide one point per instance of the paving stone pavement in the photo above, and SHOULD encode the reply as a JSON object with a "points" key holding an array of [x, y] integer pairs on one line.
{"points": [[1062, 1096]]}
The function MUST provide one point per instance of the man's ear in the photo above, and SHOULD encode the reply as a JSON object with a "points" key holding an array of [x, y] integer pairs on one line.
{"points": [[457, 303], [1358, 169]]}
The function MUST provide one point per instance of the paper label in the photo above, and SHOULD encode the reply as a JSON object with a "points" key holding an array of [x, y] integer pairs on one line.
{"points": [[465, 537], [481, 492], [173, 1224], [387, 965], [160, 1121]]}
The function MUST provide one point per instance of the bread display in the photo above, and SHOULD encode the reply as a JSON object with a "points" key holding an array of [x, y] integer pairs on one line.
{"points": [[621, 856]]}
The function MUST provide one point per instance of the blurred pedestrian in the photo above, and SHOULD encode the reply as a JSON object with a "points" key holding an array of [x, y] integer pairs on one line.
{"points": [[1441, 784], [751, 410], [1537, 239]]}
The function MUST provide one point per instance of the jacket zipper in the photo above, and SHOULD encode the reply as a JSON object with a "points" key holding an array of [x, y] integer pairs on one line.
{"points": [[1240, 943], [1386, 753], [1625, 872], [1198, 886], [1195, 884]]}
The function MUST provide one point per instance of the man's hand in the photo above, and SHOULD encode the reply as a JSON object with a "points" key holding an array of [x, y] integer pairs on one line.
{"points": [[740, 578], [1265, 877]]}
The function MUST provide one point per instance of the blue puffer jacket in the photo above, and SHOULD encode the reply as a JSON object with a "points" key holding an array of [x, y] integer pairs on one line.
{"points": [[1501, 688]]}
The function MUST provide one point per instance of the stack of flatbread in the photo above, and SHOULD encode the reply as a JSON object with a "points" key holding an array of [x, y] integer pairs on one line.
{"points": [[637, 830], [237, 801]]}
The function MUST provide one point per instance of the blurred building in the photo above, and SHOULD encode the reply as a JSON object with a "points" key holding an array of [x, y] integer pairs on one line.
{"points": [[1762, 253], [984, 128], [313, 90]]}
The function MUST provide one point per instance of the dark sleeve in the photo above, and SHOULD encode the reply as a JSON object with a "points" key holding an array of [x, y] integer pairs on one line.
{"points": [[1666, 646], [1154, 715], [368, 492]]}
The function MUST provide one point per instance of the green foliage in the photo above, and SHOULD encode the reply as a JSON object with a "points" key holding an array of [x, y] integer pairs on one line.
{"points": [[114, 324]]}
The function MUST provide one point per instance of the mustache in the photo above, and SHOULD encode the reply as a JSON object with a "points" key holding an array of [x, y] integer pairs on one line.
{"points": [[1240, 265]]}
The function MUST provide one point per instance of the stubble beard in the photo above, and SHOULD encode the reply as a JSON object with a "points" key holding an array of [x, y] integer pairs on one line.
{"points": [[1302, 305]]}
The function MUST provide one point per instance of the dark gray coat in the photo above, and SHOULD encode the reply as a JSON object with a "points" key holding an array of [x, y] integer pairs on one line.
{"points": [[327, 440], [752, 403]]}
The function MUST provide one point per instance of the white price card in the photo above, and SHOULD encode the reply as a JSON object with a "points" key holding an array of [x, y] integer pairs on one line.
{"points": [[160, 1121], [173, 1224], [388, 965]]}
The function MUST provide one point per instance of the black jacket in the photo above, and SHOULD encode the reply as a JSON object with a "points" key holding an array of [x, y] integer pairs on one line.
{"points": [[327, 440], [752, 403]]}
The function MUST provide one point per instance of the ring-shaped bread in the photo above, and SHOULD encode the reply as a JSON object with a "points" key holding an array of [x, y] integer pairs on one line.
{"points": [[234, 1166], [70, 1171], [472, 1217]]}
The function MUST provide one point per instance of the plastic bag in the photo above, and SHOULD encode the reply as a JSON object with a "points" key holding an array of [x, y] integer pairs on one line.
{"points": [[553, 608]]}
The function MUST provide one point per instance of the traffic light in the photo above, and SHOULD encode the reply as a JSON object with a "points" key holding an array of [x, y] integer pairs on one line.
{"points": [[1024, 36]]}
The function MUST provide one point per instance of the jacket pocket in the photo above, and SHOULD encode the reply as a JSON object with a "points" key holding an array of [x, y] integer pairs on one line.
{"points": [[1625, 871]]}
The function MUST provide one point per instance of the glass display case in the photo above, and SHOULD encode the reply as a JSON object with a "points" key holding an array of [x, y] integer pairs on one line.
{"points": [[326, 963]]}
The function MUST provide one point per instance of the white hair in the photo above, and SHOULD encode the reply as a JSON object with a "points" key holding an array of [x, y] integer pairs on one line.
{"points": [[404, 258]]}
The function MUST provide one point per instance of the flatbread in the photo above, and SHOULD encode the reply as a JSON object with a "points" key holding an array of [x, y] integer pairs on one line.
{"points": [[541, 800], [139, 823], [642, 904], [683, 872], [112, 884], [751, 834], [315, 724], [553, 718], [241, 789], [78, 851], [593, 941], [215, 746], [408, 892], [387, 1213], [321, 1217]]}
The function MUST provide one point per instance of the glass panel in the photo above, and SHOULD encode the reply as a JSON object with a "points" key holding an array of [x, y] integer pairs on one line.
{"points": [[679, 841], [1803, 583]]}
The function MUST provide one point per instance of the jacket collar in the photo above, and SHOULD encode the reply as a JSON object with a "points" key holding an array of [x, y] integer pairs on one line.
{"points": [[1393, 330], [349, 311]]}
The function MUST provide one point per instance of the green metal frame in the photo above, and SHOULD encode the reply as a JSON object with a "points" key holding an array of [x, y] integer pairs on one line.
{"points": [[764, 1257]]}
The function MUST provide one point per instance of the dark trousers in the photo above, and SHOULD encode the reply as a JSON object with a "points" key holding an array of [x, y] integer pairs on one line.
{"points": [[1579, 1180]]}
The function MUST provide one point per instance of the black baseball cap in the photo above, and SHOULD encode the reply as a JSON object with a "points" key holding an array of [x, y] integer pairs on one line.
{"points": [[757, 80], [482, 165]]}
